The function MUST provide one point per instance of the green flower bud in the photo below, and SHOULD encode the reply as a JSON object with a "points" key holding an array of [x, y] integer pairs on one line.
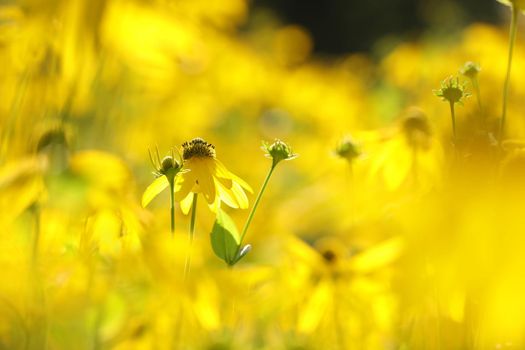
{"points": [[278, 151], [348, 149], [470, 70], [452, 90], [168, 166]]}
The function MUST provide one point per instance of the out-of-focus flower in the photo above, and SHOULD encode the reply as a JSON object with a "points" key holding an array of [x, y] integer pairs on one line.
{"points": [[412, 155], [520, 4], [21, 185], [416, 128], [348, 149], [207, 175], [470, 69]]}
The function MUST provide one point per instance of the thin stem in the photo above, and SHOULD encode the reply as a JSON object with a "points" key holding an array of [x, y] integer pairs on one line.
{"points": [[36, 236], [475, 83], [193, 215], [254, 208], [453, 115], [172, 204], [513, 30], [187, 263]]}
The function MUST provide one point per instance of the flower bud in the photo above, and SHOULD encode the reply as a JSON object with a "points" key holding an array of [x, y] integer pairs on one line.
{"points": [[470, 70], [452, 90], [348, 149], [278, 151]]}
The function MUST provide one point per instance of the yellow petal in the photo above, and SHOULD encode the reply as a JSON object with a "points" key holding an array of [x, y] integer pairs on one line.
{"points": [[225, 194], [184, 184], [215, 205], [240, 195], [315, 308], [378, 256], [221, 171], [203, 173], [154, 189], [185, 203]]}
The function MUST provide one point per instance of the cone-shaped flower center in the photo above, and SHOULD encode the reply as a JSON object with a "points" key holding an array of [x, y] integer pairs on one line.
{"points": [[197, 148]]}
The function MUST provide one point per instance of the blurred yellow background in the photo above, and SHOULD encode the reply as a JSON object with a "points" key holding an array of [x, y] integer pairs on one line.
{"points": [[385, 232]]}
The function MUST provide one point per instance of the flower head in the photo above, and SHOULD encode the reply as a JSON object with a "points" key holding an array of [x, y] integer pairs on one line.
{"points": [[416, 128], [278, 151], [470, 69], [452, 90], [207, 175], [348, 149]]}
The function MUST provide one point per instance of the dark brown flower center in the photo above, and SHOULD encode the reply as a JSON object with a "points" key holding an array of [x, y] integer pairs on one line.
{"points": [[197, 148]]}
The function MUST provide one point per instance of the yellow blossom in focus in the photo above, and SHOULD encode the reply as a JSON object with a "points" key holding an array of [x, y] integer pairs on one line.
{"points": [[207, 175]]}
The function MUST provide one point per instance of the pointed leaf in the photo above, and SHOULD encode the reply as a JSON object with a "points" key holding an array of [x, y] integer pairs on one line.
{"points": [[224, 237]]}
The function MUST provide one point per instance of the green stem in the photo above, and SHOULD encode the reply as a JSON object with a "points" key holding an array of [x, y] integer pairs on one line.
{"points": [[255, 205], [187, 263], [513, 30], [172, 204], [36, 236], [475, 83], [193, 215], [453, 115]]}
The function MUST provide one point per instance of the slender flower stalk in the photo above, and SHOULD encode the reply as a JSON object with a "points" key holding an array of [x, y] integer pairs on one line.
{"points": [[256, 204], [172, 205], [277, 151], [453, 92], [417, 131], [187, 264], [471, 70], [453, 117], [512, 40], [193, 215]]}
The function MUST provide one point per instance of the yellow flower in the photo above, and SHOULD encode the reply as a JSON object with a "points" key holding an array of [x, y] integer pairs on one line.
{"points": [[207, 175]]}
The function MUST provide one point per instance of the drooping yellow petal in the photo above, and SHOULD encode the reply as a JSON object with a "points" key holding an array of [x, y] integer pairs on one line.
{"points": [[240, 196], [204, 178], [222, 172], [184, 184], [154, 189], [215, 205], [226, 194], [185, 203]]}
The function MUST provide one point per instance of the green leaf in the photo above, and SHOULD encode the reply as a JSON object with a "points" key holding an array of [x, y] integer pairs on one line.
{"points": [[225, 238]]}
